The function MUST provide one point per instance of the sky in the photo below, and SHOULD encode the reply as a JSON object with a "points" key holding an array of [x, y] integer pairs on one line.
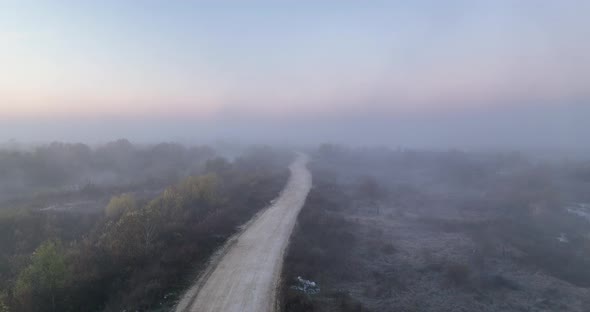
{"points": [[434, 72]]}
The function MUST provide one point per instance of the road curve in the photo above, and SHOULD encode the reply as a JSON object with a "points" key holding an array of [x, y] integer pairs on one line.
{"points": [[245, 277]]}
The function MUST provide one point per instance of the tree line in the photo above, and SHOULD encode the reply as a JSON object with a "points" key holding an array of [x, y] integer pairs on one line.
{"points": [[137, 254]]}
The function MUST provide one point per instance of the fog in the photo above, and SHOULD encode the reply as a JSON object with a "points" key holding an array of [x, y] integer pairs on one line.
{"points": [[523, 127], [461, 75], [294, 156]]}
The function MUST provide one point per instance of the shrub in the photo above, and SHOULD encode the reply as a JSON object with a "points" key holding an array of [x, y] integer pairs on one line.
{"points": [[348, 304], [120, 204], [458, 274], [295, 301]]}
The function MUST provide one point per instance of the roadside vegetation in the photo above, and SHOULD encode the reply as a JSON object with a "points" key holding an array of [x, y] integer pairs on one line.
{"points": [[320, 250], [410, 230], [134, 252]]}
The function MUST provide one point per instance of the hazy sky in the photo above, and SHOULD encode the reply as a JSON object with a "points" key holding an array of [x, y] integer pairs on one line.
{"points": [[291, 60]]}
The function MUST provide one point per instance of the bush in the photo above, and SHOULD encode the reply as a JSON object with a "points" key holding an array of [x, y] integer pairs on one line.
{"points": [[295, 301], [458, 274], [346, 303], [119, 204]]}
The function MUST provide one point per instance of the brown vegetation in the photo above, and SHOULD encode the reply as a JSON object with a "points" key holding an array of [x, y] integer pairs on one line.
{"points": [[442, 231]]}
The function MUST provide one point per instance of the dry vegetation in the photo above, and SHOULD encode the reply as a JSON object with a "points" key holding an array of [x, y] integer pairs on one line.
{"points": [[440, 231]]}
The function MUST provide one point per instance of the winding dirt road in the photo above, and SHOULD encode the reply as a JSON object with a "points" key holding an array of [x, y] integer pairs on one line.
{"points": [[245, 276]]}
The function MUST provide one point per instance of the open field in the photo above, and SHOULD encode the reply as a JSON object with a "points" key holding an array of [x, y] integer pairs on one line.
{"points": [[422, 231]]}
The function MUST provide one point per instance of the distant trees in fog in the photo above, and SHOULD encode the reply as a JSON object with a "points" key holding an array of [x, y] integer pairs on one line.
{"points": [[61, 165]]}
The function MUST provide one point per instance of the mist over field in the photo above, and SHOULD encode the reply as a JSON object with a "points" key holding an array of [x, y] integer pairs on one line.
{"points": [[532, 127], [294, 156]]}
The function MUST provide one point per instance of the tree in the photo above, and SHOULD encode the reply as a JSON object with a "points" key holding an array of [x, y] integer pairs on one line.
{"points": [[133, 235], [44, 277], [201, 188], [120, 204], [149, 221]]}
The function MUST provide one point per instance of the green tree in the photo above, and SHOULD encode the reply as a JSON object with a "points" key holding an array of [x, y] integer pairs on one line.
{"points": [[133, 236], [44, 278]]}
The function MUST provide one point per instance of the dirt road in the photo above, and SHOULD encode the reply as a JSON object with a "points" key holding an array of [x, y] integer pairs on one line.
{"points": [[245, 277]]}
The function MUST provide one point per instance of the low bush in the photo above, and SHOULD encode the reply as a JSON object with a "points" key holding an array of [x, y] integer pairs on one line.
{"points": [[458, 274]]}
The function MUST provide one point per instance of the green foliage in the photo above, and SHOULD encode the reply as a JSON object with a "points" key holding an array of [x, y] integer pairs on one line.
{"points": [[194, 196], [46, 275], [136, 255], [134, 233], [120, 204]]}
